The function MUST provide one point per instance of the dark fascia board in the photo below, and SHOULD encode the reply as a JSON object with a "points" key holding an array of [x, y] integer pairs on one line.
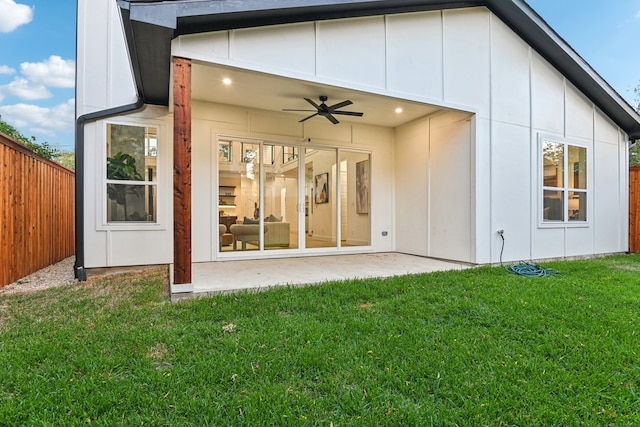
{"points": [[155, 22], [196, 16]]}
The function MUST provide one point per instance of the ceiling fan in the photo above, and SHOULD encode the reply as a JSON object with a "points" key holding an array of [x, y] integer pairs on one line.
{"points": [[327, 111]]}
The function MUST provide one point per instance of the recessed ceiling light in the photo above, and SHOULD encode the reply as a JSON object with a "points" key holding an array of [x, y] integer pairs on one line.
{"points": [[399, 110], [227, 81]]}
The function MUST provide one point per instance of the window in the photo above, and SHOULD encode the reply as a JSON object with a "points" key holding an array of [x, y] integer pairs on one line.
{"points": [[250, 153], [289, 154], [564, 180], [131, 173], [224, 151]]}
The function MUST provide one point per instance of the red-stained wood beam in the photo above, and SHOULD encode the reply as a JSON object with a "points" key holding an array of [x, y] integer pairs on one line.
{"points": [[181, 171]]}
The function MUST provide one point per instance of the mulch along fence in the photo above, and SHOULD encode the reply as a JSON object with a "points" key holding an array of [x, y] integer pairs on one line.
{"points": [[36, 211], [634, 209]]}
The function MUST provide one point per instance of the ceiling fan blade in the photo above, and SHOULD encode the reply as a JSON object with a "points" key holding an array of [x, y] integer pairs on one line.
{"points": [[307, 118], [348, 113], [331, 119], [340, 105], [310, 101], [293, 109]]}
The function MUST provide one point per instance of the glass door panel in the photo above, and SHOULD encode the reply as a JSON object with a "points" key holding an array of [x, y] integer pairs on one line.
{"points": [[239, 174], [355, 221], [320, 166], [281, 202]]}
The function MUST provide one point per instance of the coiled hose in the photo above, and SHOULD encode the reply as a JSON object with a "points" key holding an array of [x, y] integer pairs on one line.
{"points": [[527, 269]]}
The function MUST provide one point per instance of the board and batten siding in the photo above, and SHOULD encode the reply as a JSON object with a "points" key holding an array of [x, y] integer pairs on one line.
{"points": [[465, 59], [104, 77], [460, 59], [36, 212]]}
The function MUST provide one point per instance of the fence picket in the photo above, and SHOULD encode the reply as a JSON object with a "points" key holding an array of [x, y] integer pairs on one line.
{"points": [[36, 212]]}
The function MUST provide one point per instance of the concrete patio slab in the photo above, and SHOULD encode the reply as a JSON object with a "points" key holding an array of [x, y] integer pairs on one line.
{"points": [[228, 276]]}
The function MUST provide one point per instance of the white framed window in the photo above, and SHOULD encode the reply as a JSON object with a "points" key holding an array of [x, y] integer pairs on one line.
{"points": [[131, 174], [564, 182]]}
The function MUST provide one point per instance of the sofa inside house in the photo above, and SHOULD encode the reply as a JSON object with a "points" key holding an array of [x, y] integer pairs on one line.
{"points": [[276, 232], [552, 208]]}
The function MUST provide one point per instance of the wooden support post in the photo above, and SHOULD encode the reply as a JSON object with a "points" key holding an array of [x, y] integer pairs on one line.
{"points": [[181, 171]]}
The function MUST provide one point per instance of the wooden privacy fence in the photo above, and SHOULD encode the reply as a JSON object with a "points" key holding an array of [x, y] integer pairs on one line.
{"points": [[36, 211], [634, 209]]}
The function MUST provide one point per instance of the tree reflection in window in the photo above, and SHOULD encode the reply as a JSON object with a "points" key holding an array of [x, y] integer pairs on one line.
{"points": [[131, 176]]}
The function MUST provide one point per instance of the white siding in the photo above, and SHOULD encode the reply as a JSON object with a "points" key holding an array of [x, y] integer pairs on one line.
{"points": [[117, 245], [474, 174], [412, 188], [511, 194], [607, 200], [265, 46], [352, 50], [202, 178], [547, 97], [413, 68], [450, 198], [104, 77], [510, 77], [579, 115], [433, 187], [466, 67]]}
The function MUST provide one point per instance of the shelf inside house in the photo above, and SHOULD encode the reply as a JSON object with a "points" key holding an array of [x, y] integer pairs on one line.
{"points": [[226, 196]]}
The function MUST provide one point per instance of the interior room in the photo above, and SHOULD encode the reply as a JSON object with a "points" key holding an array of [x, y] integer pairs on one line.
{"points": [[295, 202]]}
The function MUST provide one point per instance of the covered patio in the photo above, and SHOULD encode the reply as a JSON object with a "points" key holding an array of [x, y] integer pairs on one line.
{"points": [[229, 276]]}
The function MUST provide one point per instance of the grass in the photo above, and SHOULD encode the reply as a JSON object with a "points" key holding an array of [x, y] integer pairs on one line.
{"points": [[473, 347]]}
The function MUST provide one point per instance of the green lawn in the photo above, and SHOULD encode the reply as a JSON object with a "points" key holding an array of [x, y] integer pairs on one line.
{"points": [[474, 347]]}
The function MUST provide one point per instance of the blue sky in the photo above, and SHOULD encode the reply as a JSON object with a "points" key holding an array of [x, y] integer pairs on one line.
{"points": [[37, 52]]}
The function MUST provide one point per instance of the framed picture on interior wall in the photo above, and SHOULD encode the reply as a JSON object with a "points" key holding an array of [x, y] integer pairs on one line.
{"points": [[321, 188], [362, 187], [224, 151]]}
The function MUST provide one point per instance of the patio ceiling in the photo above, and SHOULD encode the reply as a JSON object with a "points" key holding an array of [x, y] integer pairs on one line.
{"points": [[272, 93]]}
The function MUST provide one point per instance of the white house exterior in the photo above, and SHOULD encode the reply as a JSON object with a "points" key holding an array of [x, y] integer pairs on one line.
{"points": [[503, 127]]}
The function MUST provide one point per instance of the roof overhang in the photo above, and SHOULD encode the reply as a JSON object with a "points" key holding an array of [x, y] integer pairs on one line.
{"points": [[150, 25]]}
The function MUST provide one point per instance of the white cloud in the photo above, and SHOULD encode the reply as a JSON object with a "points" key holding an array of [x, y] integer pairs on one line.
{"points": [[5, 69], [24, 89], [43, 120], [12, 15], [53, 72]]}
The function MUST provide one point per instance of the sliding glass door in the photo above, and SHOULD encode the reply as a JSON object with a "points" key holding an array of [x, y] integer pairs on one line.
{"points": [[355, 222], [321, 166], [281, 201], [277, 196]]}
